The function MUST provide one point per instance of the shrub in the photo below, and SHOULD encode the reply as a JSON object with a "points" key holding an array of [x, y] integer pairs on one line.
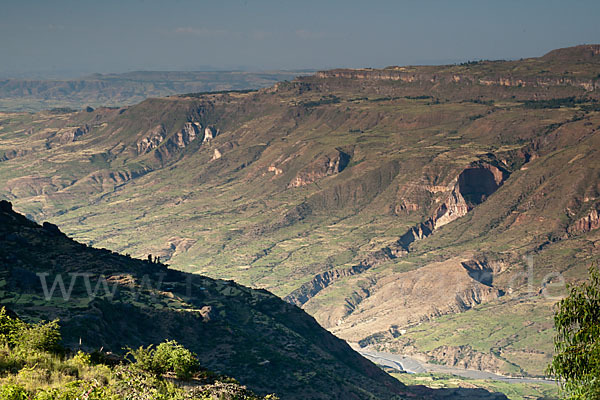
{"points": [[169, 356], [41, 336], [143, 359], [82, 359], [9, 327], [552, 103], [176, 358], [13, 392], [330, 99]]}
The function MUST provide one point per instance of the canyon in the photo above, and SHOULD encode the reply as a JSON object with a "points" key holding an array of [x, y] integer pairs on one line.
{"points": [[398, 206]]}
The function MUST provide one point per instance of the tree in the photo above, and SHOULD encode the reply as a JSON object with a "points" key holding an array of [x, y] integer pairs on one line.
{"points": [[576, 364]]}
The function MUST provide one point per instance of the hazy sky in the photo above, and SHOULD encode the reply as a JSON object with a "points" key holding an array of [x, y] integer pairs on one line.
{"points": [[124, 35]]}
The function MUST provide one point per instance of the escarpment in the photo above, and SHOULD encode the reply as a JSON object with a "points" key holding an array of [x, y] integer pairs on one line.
{"points": [[473, 186], [483, 80], [400, 74], [167, 144], [186, 135]]}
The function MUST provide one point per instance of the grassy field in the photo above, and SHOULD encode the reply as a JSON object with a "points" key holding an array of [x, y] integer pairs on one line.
{"points": [[514, 391]]}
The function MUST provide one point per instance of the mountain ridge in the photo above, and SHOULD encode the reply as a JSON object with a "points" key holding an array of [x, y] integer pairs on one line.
{"points": [[116, 90]]}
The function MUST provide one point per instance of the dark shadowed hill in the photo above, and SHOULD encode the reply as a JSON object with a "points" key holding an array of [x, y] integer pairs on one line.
{"points": [[264, 342]]}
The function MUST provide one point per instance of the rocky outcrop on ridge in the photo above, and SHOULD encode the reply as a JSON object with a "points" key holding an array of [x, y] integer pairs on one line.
{"points": [[328, 164]]}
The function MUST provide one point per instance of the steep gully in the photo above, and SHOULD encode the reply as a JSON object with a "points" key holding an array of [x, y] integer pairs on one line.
{"points": [[473, 186]]}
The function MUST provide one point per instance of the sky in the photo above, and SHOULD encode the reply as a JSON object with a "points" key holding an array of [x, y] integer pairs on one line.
{"points": [[83, 36]]}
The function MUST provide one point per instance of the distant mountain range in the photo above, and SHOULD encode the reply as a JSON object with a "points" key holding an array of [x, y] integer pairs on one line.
{"points": [[433, 211], [127, 88]]}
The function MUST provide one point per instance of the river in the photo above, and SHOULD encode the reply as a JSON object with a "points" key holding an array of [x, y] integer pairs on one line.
{"points": [[413, 366]]}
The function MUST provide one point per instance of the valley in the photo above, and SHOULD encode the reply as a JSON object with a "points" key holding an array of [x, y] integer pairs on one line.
{"points": [[430, 211]]}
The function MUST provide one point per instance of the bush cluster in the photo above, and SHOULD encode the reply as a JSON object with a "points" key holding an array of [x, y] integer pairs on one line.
{"points": [[553, 103], [43, 336], [168, 356], [34, 366]]}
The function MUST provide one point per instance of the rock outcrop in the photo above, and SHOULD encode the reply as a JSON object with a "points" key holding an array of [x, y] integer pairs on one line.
{"points": [[190, 132], [275, 170], [320, 281], [222, 149], [174, 245], [473, 186], [187, 134], [10, 154], [407, 298], [151, 140], [178, 141], [418, 232], [328, 164], [587, 223], [72, 134], [210, 132], [104, 180], [453, 208]]}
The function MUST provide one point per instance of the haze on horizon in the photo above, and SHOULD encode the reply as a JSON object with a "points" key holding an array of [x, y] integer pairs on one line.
{"points": [[71, 38]]}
